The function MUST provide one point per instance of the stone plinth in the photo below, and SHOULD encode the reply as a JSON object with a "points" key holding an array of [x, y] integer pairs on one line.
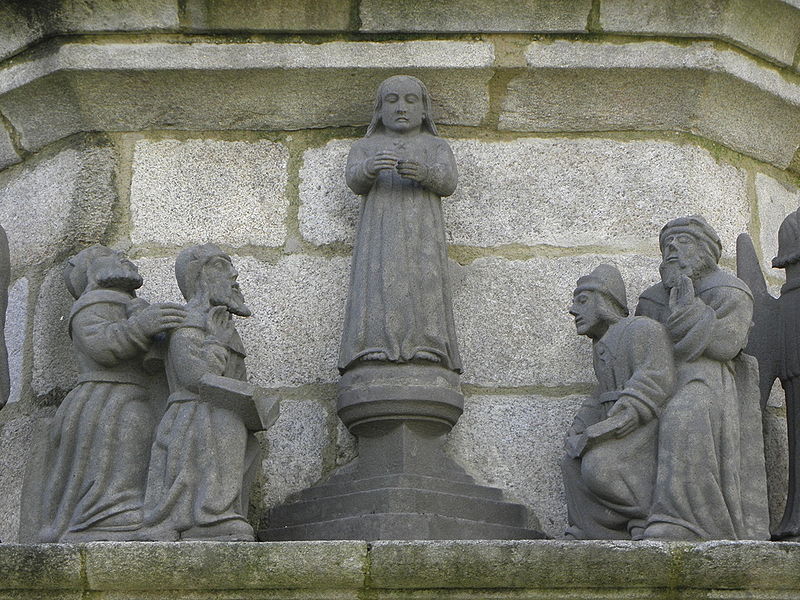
{"points": [[533, 570], [402, 486]]}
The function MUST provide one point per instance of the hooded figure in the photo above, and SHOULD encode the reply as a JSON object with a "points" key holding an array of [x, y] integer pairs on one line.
{"points": [[711, 480], [101, 435]]}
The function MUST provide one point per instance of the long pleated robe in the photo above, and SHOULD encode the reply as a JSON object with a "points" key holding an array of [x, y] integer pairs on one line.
{"points": [[400, 300], [101, 435], [711, 478], [203, 459]]}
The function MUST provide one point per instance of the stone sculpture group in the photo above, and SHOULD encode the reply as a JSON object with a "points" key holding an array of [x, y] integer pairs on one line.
{"points": [[111, 472], [669, 447]]}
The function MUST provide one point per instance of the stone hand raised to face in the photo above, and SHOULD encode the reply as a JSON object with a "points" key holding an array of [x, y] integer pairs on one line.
{"points": [[100, 438], [400, 308], [711, 481], [204, 458], [610, 466]]}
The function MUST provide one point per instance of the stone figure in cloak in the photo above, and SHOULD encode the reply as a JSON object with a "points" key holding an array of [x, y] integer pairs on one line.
{"points": [[399, 309], [775, 342], [205, 455], [711, 478], [610, 466], [102, 432]]}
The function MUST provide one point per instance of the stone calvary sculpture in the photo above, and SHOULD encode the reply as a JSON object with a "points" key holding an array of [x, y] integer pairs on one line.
{"points": [[775, 342], [400, 391], [102, 481], [711, 478], [205, 455], [610, 466], [706, 478], [101, 435]]}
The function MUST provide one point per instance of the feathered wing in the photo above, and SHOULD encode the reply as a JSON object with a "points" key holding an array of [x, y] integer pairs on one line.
{"points": [[764, 341]]}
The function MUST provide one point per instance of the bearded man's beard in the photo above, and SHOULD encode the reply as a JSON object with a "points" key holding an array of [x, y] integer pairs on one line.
{"points": [[693, 267], [120, 279], [234, 301]]}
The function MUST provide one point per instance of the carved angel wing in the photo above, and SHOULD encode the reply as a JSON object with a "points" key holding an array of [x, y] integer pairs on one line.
{"points": [[765, 336]]}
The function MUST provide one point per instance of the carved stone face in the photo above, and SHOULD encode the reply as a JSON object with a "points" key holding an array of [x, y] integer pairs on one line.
{"points": [[223, 288], [682, 255], [115, 271], [401, 106], [589, 317]]}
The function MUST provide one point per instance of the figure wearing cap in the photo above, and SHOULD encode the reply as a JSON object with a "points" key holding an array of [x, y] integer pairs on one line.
{"points": [[609, 469], [101, 435], [204, 458], [711, 479]]}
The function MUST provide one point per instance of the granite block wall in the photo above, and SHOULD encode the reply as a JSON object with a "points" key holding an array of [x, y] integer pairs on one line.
{"points": [[579, 128]]}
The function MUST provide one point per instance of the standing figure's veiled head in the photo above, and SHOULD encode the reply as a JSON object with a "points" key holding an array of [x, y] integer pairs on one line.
{"points": [[206, 274], [99, 267], [689, 246], [402, 105], [599, 300]]}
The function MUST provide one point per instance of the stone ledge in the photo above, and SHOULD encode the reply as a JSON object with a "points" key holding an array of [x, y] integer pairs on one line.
{"points": [[657, 86], [351, 569], [202, 86], [567, 86], [770, 29]]}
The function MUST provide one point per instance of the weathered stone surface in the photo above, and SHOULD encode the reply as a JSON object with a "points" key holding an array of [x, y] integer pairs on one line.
{"points": [[328, 209], [775, 201], [525, 564], [221, 566], [742, 565], [233, 193], [23, 23], [15, 441], [40, 568], [130, 87], [512, 320], [115, 15], [18, 27], [468, 15], [53, 204], [54, 368], [8, 154], [776, 453], [525, 191], [720, 94], [16, 333], [268, 15], [296, 448], [298, 305], [773, 30], [515, 443]]}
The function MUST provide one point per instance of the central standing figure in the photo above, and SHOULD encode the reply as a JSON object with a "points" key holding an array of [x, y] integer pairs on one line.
{"points": [[399, 309]]}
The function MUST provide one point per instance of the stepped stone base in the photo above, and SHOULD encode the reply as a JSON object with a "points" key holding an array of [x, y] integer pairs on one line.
{"points": [[397, 507]]}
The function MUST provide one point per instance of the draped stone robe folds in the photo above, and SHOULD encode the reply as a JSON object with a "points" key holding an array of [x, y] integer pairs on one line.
{"points": [[609, 488], [400, 300], [200, 451], [711, 479], [101, 435]]}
